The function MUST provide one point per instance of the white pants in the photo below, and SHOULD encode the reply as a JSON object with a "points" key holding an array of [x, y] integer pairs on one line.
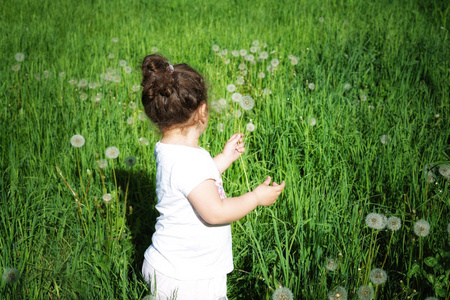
{"points": [[167, 288]]}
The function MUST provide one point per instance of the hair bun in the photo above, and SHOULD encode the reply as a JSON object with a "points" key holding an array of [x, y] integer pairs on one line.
{"points": [[157, 76]]}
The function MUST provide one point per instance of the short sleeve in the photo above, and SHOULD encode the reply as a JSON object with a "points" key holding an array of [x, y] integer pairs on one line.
{"points": [[190, 171]]}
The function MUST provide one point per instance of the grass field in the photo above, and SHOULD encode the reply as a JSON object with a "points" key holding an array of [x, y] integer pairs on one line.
{"points": [[352, 110]]}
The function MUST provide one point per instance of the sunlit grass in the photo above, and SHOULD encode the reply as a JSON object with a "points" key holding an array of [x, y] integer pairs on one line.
{"points": [[353, 113]]}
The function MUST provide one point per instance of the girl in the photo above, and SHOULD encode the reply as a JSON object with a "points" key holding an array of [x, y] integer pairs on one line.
{"points": [[190, 255]]}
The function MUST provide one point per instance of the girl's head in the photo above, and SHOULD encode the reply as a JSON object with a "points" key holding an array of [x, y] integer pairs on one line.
{"points": [[171, 95]]}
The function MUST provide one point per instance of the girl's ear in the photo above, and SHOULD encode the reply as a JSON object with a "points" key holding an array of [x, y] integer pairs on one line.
{"points": [[203, 113]]}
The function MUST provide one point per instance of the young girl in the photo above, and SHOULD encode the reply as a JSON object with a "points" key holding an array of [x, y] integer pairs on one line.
{"points": [[190, 255]]}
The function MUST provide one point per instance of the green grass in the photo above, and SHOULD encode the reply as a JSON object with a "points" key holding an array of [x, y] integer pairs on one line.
{"points": [[395, 53]]}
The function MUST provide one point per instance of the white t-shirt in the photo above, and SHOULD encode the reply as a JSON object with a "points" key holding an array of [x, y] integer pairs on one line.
{"points": [[184, 246]]}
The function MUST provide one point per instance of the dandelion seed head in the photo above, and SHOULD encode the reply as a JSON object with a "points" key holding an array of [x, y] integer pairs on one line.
{"points": [[431, 298], [10, 275], [130, 120], [38, 77], [112, 152], [130, 161], [347, 86], [384, 139], [135, 88], [142, 117], [332, 264], [111, 56], [363, 97], [340, 293], [247, 103], [365, 292], [270, 68], [122, 63], [312, 122], [154, 49], [321, 19], [107, 197], [237, 113], [102, 163], [82, 83], [62, 74], [242, 66], [240, 80], [422, 228], [143, 141], [235, 53], [261, 75], [394, 223], [15, 67], [226, 61], [83, 96], [294, 61], [378, 276], [77, 140], [243, 52], [236, 97], [376, 221], [215, 48], [264, 55], [444, 170], [221, 127], [222, 102], [282, 293], [250, 127], [224, 52], [231, 88], [249, 57], [255, 43], [72, 81], [311, 86], [253, 49], [115, 39], [46, 73], [267, 91], [274, 62], [128, 69], [19, 56], [132, 105]]}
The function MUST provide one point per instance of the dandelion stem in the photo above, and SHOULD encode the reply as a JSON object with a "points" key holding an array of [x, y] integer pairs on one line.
{"points": [[125, 204], [389, 247]]}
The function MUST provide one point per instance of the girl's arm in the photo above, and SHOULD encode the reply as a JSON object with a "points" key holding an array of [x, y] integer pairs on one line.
{"points": [[233, 149], [215, 210]]}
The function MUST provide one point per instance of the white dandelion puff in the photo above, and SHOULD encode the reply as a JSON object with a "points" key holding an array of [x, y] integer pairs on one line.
{"points": [[135, 88], [62, 74], [19, 56], [422, 228], [274, 62], [247, 103], [130, 121], [378, 276], [244, 72], [431, 177], [312, 122], [142, 116], [107, 197], [222, 102], [242, 66], [311, 86], [363, 97], [237, 113], [122, 63], [83, 96], [264, 55], [384, 139], [347, 86], [221, 127], [73, 81], [115, 39], [82, 83], [282, 293], [10, 275], [235, 53], [294, 61], [46, 73], [394, 223], [240, 80], [15, 68], [111, 56], [332, 264], [444, 170], [128, 69], [130, 161], [261, 75], [253, 49], [340, 293], [132, 105], [236, 97], [321, 20], [143, 141], [231, 88], [154, 49], [267, 91], [226, 61], [376, 221], [255, 43], [38, 77], [224, 51], [215, 48], [249, 57], [250, 127], [77, 140], [243, 52], [365, 292], [102, 163], [112, 152]]}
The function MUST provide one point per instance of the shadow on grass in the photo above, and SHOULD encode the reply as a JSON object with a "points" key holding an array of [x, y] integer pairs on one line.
{"points": [[141, 218]]}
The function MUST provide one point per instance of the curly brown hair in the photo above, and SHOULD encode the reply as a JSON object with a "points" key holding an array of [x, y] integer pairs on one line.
{"points": [[171, 94]]}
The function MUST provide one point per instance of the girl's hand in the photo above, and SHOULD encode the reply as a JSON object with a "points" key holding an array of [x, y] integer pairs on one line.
{"points": [[266, 194], [234, 147]]}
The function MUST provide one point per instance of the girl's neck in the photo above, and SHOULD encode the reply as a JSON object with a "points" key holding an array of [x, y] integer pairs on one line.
{"points": [[181, 136]]}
